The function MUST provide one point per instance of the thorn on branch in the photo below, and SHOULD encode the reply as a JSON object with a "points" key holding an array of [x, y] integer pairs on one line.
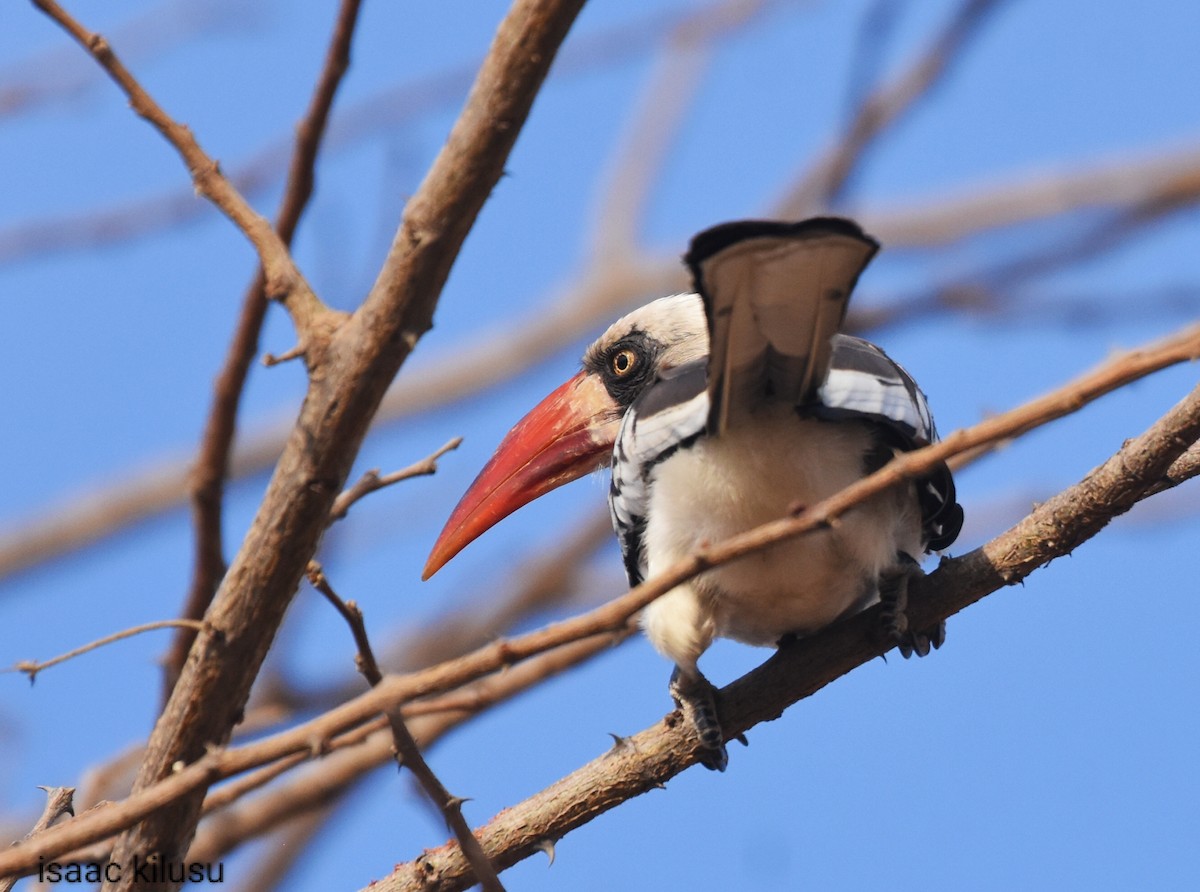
{"points": [[619, 743], [547, 846], [59, 801]]}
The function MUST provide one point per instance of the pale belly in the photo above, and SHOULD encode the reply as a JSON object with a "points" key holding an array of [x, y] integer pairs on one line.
{"points": [[725, 486]]}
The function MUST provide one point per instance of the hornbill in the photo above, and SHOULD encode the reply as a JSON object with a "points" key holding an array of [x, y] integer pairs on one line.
{"points": [[724, 409]]}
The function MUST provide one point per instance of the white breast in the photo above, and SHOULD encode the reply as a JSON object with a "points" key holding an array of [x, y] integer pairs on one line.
{"points": [[746, 477]]}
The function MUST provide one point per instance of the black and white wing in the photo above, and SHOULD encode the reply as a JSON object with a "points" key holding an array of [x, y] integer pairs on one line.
{"points": [[864, 383]]}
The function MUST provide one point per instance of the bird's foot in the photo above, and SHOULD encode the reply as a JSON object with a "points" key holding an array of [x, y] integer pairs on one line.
{"points": [[893, 598], [697, 699]]}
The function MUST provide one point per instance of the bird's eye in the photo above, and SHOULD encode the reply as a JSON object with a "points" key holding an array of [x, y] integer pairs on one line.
{"points": [[623, 362]]}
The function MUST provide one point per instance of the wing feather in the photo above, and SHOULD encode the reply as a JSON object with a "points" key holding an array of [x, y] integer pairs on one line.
{"points": [[774, 294]]}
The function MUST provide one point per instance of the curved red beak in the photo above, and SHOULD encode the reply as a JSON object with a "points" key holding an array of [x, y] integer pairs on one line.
{"points": [[568, 434]]}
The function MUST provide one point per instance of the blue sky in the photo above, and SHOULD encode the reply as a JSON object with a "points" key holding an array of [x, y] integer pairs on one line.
{"points": [[1050, 744]]}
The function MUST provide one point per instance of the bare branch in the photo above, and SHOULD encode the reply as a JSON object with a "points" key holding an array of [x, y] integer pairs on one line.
{"points": [[615, 614], [287, 847], [540, 583], [388, 111], [320, 735], [1033, 196], [654, 125], [229, 794], [478, 364], [347, 757], [1183, 469], [32, 667], [1173, 195], [364, 661], [371, 481]]}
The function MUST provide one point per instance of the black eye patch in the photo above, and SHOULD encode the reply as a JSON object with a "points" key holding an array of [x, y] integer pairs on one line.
{"points": [[627, 366]]}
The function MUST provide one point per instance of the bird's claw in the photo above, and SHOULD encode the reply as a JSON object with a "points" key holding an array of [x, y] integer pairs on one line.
{"points": [[893, 598], [697, 699]]}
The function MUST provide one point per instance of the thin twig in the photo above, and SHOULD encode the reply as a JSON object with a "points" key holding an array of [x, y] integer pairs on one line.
{"points": [[57, 75], [543, 581], [1097, 238], [408, 754], [230, 793], [875, 34], [364, 662], [475, 364], [32, 667], [1033, 196], [372, 480], [345, 727]]}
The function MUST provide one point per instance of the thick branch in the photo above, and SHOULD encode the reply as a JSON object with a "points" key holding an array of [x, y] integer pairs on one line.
{"points": [[208, 477]]}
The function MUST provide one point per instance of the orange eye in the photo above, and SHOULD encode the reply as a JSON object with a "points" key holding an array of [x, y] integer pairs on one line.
{"points": [[623, 362]]}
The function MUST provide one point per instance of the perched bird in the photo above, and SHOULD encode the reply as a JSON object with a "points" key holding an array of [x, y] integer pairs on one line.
{"points": [[724, 409]]}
